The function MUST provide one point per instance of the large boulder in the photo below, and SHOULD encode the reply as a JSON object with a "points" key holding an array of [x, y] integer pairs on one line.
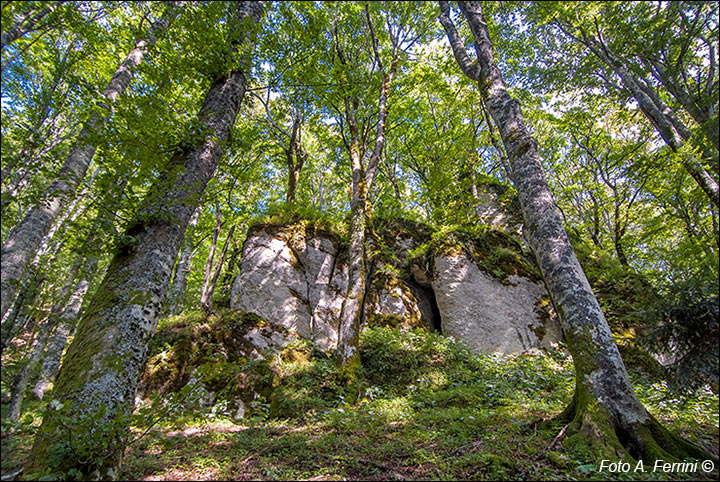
{"points": [[292, 276], [490, 297], [490, 315], [488, 291]]}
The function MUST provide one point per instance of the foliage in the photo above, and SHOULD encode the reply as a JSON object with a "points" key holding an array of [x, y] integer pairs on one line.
{"points": [[645, 233], [686, 333]]}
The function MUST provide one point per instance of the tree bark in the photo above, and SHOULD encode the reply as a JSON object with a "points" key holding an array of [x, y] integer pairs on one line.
{"points": [[25, 25], [45, 248], [43, 333], [66, 328], [22, 244], [605, 411], [98, 379], [176, 294], [68, 316]]}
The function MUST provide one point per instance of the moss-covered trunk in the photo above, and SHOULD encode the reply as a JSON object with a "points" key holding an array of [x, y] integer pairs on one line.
{"points": [[96, 385], [605, 411], [351, 314]]}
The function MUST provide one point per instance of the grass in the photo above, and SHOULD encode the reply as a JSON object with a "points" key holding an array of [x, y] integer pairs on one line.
{"points": [[431, 410]]}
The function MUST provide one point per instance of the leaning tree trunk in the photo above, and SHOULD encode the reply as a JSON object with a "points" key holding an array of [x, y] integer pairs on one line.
{"points": [[98, 378], [204, 303], [38, 347], [604, 412], [176, 294], [66, 328], [46, 248], [67, 320], [207, 305], [22, 244], [25, 25]]}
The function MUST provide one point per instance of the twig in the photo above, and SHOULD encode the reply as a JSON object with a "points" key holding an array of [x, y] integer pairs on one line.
{"points": [[559, 436]]}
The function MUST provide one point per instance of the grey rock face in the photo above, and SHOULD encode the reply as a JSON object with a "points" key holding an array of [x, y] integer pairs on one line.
{"points": [[488, 315]]}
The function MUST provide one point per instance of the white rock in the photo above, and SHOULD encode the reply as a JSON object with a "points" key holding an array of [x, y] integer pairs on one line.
{"points": [[486, 314]]}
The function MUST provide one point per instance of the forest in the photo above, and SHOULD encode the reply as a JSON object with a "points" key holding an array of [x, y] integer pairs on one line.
{"points": [[345, 240]]}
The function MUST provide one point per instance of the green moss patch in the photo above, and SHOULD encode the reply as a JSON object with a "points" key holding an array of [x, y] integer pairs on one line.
{"points": [[495, 253]]}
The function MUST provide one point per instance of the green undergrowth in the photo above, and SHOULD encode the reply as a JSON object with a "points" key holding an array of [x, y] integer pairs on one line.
{"points": [[430, 410]]}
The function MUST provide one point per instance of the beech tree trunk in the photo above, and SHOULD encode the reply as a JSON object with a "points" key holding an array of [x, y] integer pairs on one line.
{"points": [[9, 331], [604, 412], [67, 323], [43, 333], [23, 242], [362, 180], [98, 378], [33, 358], [176, 294], [25, 24]]}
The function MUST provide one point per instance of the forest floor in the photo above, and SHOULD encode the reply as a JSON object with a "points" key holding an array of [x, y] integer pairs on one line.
{"points": [[477, 423]]}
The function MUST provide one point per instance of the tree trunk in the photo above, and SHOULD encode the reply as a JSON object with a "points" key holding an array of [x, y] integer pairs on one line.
{"points": [[204, 303], [605, 412], [98, 379], [38, 346], [22, 244], [207, 306], [351, 313], [176, 294], [21, 383], [16, 318], [71, 213], [66, 328], [362, 181], [24, 25]]}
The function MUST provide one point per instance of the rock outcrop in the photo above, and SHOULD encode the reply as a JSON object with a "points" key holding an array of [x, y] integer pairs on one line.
{"points": [[295, 276], [488, 315]]}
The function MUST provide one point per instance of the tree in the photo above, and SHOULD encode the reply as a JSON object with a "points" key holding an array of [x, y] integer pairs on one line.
{"points": [[652, 67], [23, 242], [97, 381], [604, 407], [176, 293]]}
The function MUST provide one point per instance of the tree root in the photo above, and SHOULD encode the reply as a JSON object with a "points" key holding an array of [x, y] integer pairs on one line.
{"points": [[589, 427]]}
